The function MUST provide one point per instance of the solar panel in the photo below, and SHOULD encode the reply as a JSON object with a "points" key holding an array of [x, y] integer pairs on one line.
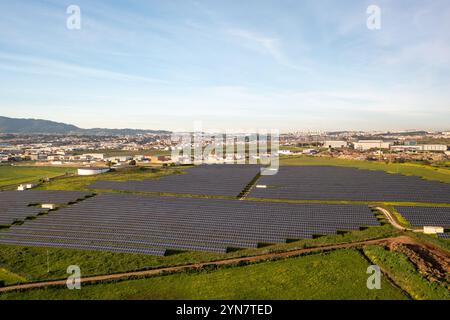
{"points": [[426, 216], [15, 205], [341, 183], [116, 220], [218, 180]]}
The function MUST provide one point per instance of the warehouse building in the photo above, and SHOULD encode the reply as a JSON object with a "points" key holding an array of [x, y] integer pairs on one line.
{"points": [[434, 147], [364, 145], [335, 144], [421, 148]]}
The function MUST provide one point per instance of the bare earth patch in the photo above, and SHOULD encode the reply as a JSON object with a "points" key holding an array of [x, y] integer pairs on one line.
{"points": [[432, 263]]}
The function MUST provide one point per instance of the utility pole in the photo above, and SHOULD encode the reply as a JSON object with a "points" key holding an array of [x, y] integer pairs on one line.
{"points": [[379, 151]]}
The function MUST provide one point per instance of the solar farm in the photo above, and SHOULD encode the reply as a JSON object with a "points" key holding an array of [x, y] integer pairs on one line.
{"points": [[341, 183], [211, 180], [215, 217], [157, 225], [152, 225]]}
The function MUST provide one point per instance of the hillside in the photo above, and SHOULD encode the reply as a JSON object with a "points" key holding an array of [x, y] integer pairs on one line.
{"points": [[29, 126], [11, 125]]}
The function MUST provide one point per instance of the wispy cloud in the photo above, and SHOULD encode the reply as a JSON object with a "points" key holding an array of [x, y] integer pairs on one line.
{"points": [[271, 46], [262, 43], [43, 66]]}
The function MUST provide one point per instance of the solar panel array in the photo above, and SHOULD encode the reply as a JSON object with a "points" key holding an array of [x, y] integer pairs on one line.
{"points": [[147, 224], [444, 235], [426, 216], [218, 180], [341, 183], [14, 205]]}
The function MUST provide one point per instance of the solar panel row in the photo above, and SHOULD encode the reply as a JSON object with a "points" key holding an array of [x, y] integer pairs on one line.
{"points": [[218, 180], [58, 244], [426, 216], [143, 222], [341, 183], [15, 205]]}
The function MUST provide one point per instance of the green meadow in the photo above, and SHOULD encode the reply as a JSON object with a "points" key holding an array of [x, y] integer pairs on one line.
{"points": [[14, 175], [340, 274]]}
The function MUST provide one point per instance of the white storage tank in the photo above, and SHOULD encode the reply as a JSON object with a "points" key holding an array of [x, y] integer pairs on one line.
{"points": [[90, 171]]}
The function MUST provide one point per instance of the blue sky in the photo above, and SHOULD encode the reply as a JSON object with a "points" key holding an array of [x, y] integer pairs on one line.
{"points": [[287, 65]]}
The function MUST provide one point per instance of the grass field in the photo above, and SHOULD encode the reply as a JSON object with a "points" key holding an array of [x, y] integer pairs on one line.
{"points": [[81, 182], [404, 274], [423, 171], [8, 278], [31, 262], [336, 275], [12, 175]]}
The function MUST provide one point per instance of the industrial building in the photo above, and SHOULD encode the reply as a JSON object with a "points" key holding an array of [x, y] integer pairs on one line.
{"points": [[364, 145], [335, 144], [421, 148], [434, 147]]}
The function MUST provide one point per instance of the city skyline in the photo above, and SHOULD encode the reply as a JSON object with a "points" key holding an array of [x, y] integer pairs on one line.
{"points": [[159, 65]]}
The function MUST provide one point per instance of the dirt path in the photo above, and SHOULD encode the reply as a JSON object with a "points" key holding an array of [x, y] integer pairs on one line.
{"points": [[391, 219], [285, 254], [394, 223]]}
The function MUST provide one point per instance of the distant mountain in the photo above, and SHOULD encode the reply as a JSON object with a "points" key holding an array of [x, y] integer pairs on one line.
{"points": [[11, 125], [38, 126]]}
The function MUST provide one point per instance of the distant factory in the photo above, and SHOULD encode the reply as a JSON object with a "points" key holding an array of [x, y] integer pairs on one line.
{"points": [[365, 145]]}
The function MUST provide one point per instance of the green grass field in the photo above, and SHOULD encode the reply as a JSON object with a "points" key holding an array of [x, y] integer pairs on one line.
{"points": [[423, 171], [336, 275], [12, 175], [8, 278], [81, 182]]}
